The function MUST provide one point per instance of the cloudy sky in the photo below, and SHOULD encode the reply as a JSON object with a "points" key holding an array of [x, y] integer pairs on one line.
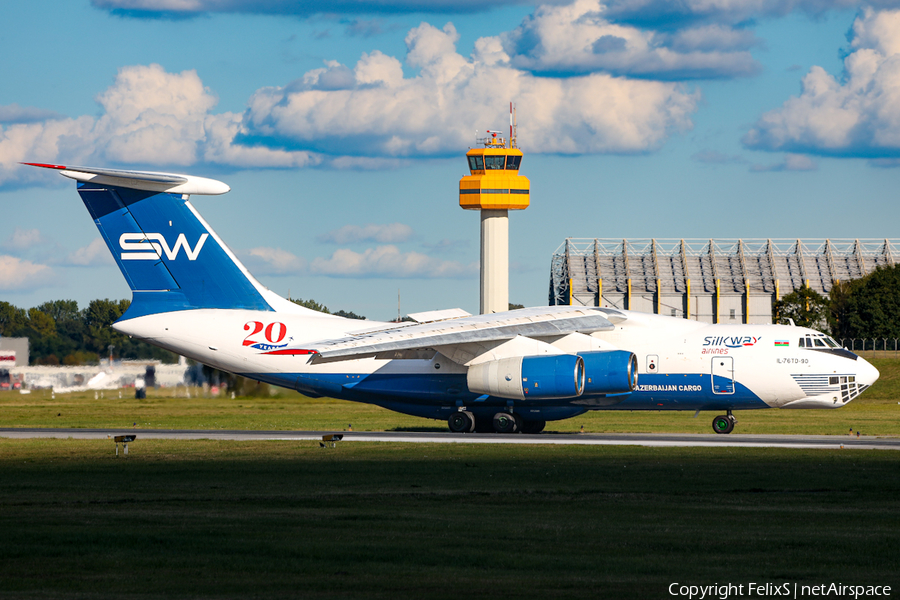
{"points": [[341, 128]]}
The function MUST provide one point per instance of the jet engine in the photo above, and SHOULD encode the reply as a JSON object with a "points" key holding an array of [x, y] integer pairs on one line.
{"points": [[609, 372], [529, 377]]}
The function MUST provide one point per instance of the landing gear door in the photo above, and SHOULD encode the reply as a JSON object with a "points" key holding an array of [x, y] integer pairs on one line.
{"points": [[723, 375]]}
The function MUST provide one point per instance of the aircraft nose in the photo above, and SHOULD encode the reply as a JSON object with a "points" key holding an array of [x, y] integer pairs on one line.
{"points": [[866, 374]]}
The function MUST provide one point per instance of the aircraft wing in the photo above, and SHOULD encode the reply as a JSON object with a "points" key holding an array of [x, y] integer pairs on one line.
{"points": [[499, 327]]}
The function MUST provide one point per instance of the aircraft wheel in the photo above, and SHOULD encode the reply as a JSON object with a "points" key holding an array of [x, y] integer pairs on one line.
{"points": [[723, 424], [461, 422], [532, 426], [505, 423]]}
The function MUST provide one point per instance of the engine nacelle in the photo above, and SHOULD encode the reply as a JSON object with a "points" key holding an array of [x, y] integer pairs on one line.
{"points": [[529, 377], [609, 372]]}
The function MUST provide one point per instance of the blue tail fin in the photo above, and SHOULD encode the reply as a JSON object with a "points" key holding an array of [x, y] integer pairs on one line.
{"points": [[170, 257]]}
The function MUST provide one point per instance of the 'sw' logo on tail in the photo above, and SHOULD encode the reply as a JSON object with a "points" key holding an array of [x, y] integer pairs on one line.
{"points": [[151, 246]]}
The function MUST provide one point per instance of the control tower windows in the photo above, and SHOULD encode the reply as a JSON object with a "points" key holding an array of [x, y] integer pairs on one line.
{"points": [[495, 162], [513, 162], [476, 163]]}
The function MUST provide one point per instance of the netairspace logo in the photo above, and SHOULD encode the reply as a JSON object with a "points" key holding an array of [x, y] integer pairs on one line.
{"points": [[774, 590]]}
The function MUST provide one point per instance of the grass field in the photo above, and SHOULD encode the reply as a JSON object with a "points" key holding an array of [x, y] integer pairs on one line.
{"points": [[210, 519], [876, 412]]}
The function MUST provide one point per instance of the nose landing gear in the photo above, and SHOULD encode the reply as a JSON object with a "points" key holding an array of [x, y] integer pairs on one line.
{"points": [[724, 423]]}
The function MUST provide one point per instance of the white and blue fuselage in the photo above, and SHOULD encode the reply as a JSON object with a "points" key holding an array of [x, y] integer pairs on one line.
{"points": [[681, 364], [508, 372]]}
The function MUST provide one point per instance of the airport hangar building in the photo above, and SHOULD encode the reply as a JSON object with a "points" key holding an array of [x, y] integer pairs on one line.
{"points": [[713, 281]]}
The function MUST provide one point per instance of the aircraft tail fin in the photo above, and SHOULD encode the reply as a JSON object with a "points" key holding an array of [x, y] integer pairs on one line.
{"points": [[170, 257]]}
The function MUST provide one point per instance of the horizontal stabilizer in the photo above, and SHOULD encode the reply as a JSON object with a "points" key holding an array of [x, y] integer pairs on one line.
{"points": [[141, 180]]}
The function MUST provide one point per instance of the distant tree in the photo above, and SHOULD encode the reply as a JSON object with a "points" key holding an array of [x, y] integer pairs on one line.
{"points": [[98, 319], [40, 329], [839, 308], [81, 357], [40, 323], [69, 337], [99, 334], [873, 308], [513, 306], [12, 320], [313, 305], [61, 310], [805, 306], [50, 360], [349, 315]]}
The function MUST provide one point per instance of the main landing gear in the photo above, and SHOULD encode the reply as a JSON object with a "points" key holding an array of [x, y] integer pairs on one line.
{"points": [[503, 422], [724, 423], [461, 422]]}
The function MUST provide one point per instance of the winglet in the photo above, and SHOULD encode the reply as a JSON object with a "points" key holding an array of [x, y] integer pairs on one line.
{"points": [[140, 180]]}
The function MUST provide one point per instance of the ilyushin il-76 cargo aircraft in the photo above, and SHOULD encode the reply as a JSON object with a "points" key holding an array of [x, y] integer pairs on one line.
{"points": [[505, 372]]}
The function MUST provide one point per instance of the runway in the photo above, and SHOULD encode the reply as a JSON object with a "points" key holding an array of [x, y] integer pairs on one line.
{"points": [[587, 439]]}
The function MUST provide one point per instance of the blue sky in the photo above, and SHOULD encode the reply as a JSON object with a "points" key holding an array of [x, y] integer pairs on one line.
{"points": [[341, 128]]}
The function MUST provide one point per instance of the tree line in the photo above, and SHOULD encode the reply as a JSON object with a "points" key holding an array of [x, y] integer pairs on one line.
{"points": [[60, 333], [863, 308]]}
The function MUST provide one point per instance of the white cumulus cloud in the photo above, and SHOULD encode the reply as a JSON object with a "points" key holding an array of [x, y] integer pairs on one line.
{"points": [[13, 113], [366, 116], [381, 113], [723, 11], [94, 254], [149, 117], [23, 275], [389, 261], [856, 116], [23, 239], [273, 261], [578, 38], [302, 8]]}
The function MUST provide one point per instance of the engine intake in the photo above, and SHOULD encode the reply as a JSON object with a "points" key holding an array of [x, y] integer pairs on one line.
{"points": [[609, 372], [529, 377]]}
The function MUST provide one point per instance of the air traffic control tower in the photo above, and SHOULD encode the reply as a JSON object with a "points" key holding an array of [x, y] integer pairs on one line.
{"points": [[495, 187]]}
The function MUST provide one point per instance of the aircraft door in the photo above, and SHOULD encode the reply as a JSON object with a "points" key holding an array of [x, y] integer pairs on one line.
{"points": [[652, 363], [723, 375]]}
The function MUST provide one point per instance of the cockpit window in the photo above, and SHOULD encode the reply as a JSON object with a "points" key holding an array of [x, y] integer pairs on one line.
{"points": [[819, 343], [802, 342], [476, 163], [494, 163], [513, 162], [831, 343]]}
